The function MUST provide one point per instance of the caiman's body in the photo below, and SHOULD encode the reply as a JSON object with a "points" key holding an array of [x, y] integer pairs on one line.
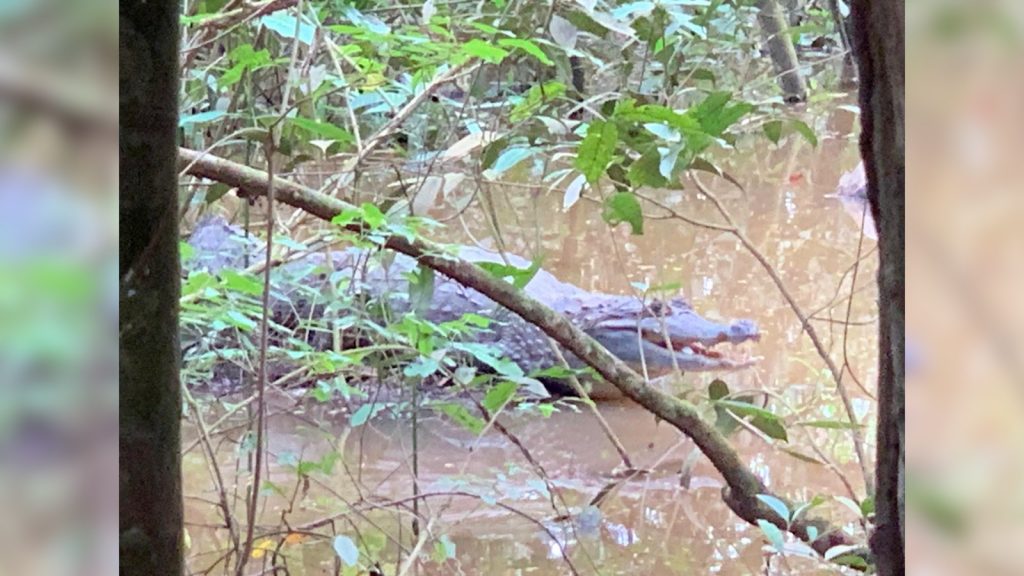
{"points": [[661, 335]]}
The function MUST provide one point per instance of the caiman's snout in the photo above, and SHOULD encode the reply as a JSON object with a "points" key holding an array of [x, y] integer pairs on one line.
{"points": [[679, 338]]}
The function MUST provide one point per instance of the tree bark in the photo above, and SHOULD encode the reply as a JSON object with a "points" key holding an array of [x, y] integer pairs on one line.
{"points": [[781, 51], [878, 40], [150, 403]]}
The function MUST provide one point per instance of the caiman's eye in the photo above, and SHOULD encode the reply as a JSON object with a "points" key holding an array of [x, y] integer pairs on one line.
{"points": [[659, 308]]}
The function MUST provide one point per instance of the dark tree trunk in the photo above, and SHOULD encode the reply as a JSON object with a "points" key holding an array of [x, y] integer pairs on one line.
{"points": [[878, 44], [781, 50], [150, 466]]}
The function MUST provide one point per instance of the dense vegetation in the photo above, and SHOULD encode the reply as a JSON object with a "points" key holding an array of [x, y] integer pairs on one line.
{"points": [[400, 105]]}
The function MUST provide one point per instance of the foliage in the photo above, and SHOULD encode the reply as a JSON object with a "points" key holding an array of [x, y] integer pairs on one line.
{"points": [[493, 85]]}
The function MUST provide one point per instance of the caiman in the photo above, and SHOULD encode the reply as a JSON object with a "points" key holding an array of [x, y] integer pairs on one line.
{"points": [[656, 337]]}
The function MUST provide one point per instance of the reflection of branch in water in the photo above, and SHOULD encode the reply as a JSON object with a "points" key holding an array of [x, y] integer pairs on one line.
{"points": [[808, 327]]}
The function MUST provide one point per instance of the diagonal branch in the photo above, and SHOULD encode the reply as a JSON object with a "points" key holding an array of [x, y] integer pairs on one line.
{"points": [[742, 487]]}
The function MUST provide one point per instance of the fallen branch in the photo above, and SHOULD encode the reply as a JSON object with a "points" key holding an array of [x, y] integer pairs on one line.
{"points": [[742, 486]]}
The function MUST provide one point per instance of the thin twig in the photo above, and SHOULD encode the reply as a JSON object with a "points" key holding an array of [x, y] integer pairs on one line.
{"points": [[808, 327]]}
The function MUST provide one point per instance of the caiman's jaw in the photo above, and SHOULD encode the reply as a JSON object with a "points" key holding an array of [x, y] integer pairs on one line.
{"points": [[686, 341]]}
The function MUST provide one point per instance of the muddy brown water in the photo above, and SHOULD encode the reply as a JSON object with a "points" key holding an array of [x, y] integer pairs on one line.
{"points": [[490, 506]]}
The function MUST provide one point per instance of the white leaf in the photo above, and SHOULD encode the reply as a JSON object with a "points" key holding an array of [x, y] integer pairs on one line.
{"points": [[467, 144], [563, 32], [573, 192]]}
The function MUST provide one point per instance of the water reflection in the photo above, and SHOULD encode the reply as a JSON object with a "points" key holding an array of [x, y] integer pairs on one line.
{"points": [[651, 524]]}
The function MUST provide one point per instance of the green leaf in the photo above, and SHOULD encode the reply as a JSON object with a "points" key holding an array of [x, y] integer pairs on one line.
{"points": [[646, 170], [855, 507], [800, 455], [461, 416], [364, 413], [346, 550], [421, 368], [239, 320], [528, 47], [624, 207], [715, 117], [718, 389], [186, 251], [777, 506], [484, 51], [201, 118], [804, 130], [510, 157], [240, 283], [773, 534], [372, 215], [773, 130], [486, 354], [347, 217], [519, 277], [535, 97], [444, 549], [596, 151], [323, 130], [283, 24], [772, 427], [421, 289], [499, 395], [745, 408], [867, 506], [831, 424]]}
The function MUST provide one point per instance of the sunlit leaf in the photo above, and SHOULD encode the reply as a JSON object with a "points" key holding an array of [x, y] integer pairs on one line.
{"points": [[484, 51], [839, 550], [325, 130], [573, 192], [777, 505], [510, 157], [240, 283], [346, 550], [773, 534], [284, 24], [201, 117], [421, 368], [528, 47], [372, 215], [364, 413], [855, 507]]}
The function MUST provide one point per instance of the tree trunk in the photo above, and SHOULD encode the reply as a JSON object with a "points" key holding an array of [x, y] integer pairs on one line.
{"points": [[878, 45], [150, 401], [781, 50]]}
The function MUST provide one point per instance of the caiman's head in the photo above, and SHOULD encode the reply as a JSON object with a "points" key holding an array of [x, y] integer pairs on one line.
{"points": [[665, 334]]}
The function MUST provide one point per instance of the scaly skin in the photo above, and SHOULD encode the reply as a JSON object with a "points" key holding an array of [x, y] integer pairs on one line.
{"points": [[659, 335]]}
